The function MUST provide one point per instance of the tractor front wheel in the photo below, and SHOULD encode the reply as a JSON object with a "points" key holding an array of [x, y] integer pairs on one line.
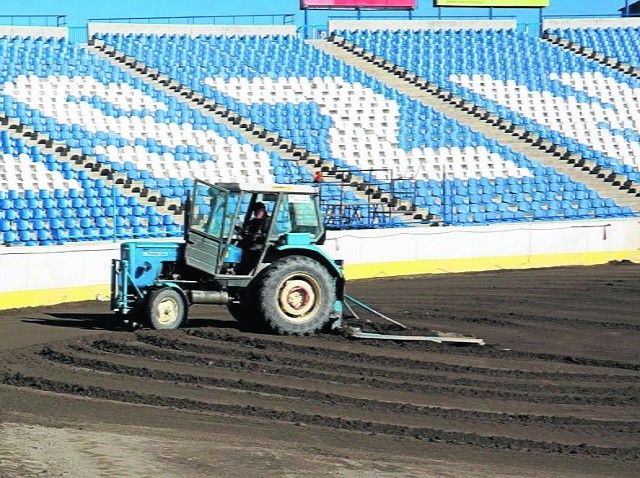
{"points": [[296, 296], [166, 309]]}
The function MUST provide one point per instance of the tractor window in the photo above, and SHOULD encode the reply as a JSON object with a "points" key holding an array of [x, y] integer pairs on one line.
{"points": [[209, 206], [235, 201], [282, 218], [305, 216], [297, 213]]}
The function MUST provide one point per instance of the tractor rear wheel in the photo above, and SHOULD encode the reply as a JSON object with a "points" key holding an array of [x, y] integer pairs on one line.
{"points": [[296, 296], [166, 309]]}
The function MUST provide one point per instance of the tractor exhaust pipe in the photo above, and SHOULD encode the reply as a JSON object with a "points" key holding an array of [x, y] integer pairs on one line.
{"points": [[208, 297]]}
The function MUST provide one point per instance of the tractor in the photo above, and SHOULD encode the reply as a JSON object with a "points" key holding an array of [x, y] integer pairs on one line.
{"points": [[272, 277]]}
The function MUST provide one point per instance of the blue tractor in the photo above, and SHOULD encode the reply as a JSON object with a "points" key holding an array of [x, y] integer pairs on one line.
{"points": [[266, 267]]}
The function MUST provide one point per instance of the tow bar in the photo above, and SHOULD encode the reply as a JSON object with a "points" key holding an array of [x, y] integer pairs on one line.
{"points": [[357, 333]]}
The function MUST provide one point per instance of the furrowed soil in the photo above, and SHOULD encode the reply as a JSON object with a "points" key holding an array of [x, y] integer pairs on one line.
{"points": [[554, 392]]}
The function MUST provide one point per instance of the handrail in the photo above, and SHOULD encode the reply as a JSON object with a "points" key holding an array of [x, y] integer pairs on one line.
{"points": [[410, 16], [592, 16], [285, 19], [60, 20]]}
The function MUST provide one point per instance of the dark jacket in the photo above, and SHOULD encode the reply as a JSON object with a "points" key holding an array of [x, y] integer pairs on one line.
{"points": [[254, 234]]}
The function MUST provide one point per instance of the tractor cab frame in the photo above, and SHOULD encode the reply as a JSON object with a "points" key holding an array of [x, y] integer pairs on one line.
{"points": [[220, 215]]}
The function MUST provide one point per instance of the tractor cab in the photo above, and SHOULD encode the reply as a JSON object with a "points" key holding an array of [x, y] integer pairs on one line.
{"points": [[224, 235]]}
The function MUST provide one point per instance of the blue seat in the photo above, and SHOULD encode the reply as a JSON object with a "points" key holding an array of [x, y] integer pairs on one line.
{"points": [[9, 237], [480, 217]]}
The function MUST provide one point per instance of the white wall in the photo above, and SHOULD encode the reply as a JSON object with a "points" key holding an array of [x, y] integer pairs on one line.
{"points": [[420, 24], [512, 245], [46, 32], [29, 272], [50, 267], [191, 30]]}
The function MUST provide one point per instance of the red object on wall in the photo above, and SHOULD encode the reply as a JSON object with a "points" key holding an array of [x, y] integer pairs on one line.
{"points": [[377, 4]]}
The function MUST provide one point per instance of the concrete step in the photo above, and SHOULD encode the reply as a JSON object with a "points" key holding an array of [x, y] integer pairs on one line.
{"points": [[593, 55], [80, 162]]}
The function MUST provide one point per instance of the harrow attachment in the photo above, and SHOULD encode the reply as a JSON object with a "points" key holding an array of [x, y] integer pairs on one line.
{"points": [[353, 332]]}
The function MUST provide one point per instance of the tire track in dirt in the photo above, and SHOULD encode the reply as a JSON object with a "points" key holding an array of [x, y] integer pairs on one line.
{"points": [[271, 356], [375, 377], [485, 352], [370, 427], [367, 364], [245, 385], [514, 320]]}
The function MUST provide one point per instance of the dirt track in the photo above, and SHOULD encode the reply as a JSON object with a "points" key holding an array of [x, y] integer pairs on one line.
{"points": [[556, 391]]}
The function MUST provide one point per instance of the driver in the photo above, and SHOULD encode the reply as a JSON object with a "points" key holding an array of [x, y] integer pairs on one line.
{"points": [[255, 231], [253, 237]]}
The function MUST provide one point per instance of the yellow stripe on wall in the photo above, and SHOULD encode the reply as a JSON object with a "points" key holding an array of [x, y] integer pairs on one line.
{"points": [[34, 298], [477, 264]]}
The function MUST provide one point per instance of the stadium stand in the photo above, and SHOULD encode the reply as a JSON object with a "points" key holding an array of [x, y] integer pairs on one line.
{"points": [[461, 174], [73, 97], [568, 99], [93, 151], [620, 43]]}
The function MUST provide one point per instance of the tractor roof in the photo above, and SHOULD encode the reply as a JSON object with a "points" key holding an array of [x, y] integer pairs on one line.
{"points": [[268, 188]]}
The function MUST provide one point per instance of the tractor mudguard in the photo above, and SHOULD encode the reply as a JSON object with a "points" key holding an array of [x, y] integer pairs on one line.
{"points": [[313, 252], [175, 286]]}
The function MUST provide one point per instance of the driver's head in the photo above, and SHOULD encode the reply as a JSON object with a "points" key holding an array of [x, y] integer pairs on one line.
{"points": [[259, 209]]}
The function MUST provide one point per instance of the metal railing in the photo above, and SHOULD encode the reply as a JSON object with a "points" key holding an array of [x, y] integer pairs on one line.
{"points": [[78, 34], [349, 211], [533, 29], [263, 19], [411, 16], [34, 20], [606, 15]]}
